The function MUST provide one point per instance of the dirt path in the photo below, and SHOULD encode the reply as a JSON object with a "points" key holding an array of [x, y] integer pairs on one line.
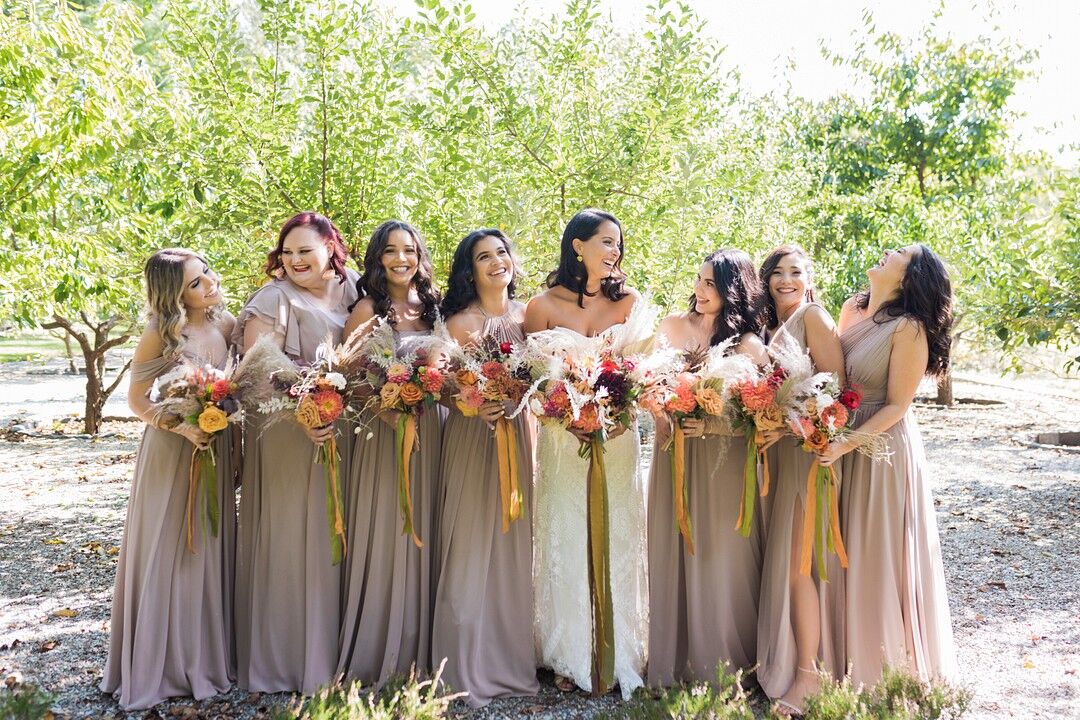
{"points": [[1009, 516]]}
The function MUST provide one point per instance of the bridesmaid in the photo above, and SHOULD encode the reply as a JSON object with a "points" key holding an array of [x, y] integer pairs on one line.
{"points": [[484, 596], [387, 583], [795, 636], [171, 614], [894, 334], [703, 608], [287, 590]]}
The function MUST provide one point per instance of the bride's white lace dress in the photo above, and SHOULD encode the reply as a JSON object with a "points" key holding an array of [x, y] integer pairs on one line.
{"points": [[563, 629]]}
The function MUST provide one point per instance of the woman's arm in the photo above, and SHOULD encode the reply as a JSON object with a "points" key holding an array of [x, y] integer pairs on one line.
{"points": [[907, 365], [148, 349], [823, 342]]}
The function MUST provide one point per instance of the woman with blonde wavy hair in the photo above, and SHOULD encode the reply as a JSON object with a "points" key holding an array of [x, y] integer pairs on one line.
{"points": [[171, 614]]}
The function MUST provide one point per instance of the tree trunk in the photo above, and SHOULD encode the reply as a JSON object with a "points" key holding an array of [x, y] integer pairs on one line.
{"points": [[945, 390], [93, 349]]}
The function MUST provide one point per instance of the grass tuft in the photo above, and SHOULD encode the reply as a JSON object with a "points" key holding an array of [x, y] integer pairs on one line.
{"points": [[25, 702]]}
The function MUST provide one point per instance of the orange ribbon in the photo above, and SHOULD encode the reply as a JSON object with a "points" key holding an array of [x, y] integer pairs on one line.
{"points": [[328, 456], [405, 440], [821, 490], [679, 489], [603, 614], [509, 489], [202, 465]]}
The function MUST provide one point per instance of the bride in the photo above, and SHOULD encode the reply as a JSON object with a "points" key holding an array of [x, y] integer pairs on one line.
{"points": [[587, 303]]}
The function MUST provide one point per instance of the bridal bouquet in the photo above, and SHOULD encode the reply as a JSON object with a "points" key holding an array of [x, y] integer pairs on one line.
{"points": [[207, 398], [691, 385], [494, 372], [406, 381], [763, 403], [315, 396], [817, 420]]}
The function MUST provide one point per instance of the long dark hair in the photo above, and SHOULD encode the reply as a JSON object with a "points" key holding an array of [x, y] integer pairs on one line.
{"points": [[461, 287], [740, 293], [571, 273], [925, 296], [372, 282], [769, 317], [321, 224]]}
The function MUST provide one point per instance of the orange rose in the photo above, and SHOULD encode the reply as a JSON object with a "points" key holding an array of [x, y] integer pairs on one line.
{"points": [[834, 416], [389, 394], [817, 442], [411, 394], [307, 413]]}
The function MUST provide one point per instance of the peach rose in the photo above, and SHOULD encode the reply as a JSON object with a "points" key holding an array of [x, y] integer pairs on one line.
{"points": [[307, 413], [212, 419], [770, 418], [710, 401], [389, 394]]}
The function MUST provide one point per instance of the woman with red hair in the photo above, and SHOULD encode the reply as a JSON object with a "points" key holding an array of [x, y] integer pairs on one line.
{"points": [[287, 590]]}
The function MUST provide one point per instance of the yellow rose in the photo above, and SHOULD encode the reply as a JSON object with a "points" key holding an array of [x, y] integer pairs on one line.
{"points": [[710, 401], [770, 418], [389, 394], [465, 377], [307, 413], [213, 419], [411, 394]]}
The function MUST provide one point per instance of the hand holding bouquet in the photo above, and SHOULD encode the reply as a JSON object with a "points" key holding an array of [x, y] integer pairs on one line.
{"points": [[494, 372], [817, 420], [405, 382], [205, 398]]}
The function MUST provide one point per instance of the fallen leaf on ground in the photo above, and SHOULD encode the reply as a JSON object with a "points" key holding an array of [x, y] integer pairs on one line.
{"points": [[65, 613], [55, 541], [47, 645], [1028, 665], [13, 679], [112, 550], [63, 567]]}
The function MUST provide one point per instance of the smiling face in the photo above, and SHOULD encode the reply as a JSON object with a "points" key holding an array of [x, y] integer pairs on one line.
{"points": [[890, 270], [201, 287], [788, 283], [492, 265], [305, 257], [601, 252], [400, 258], [707, 300]]}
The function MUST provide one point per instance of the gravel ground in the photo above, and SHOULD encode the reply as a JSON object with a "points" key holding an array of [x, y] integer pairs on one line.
{"points": [[1008, 515]]}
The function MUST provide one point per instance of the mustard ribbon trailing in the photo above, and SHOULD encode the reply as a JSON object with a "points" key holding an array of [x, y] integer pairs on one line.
{"points": [[821, 504], [753, 457], [404, 441], [679, 488], [603, 614], [328, 456], [203, 466], [509, 488]]}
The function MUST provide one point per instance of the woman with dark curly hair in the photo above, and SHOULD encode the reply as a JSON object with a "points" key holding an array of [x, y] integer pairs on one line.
{"points": [[703, 607], [894, 333], [483, 601], [387, 583], [287, 589]]}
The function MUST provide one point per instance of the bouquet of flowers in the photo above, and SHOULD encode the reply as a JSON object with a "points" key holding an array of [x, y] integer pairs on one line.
{"points": [[762, 403], [691, 385], [494, 372], [406, 381], [315, 397], [817, 420], [207, 398]]}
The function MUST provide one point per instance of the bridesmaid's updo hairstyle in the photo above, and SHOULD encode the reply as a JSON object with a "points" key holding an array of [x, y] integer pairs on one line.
{"points": [[740, 292], [461, 288], [321, 224], [571, 273], [769, 317], [164, 276], [926, 296], [372, 282]]}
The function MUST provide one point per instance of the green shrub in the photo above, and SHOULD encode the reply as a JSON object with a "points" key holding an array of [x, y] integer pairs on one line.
{"points": [[899, 696], [399, 698], [25, 702], [724, 700]]}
